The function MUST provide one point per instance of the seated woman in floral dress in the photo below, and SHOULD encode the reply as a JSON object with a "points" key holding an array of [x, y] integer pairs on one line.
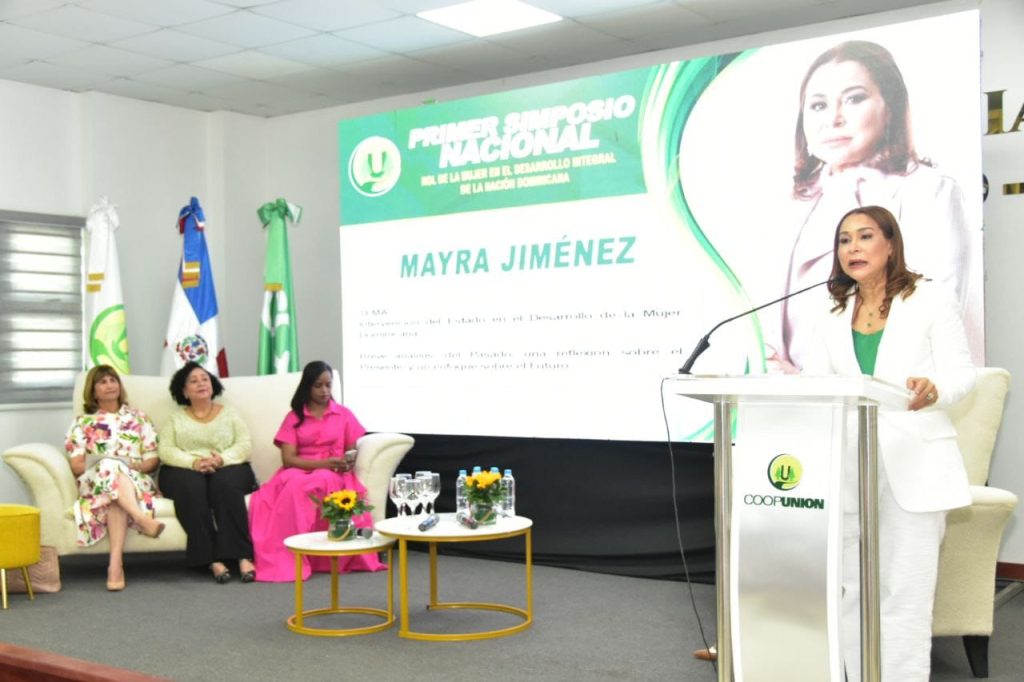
{"points": [[313, 439], [112, 451]]}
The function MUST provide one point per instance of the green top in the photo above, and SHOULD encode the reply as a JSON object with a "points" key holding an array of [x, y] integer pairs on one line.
{"points": [[184, 440], [865, 347]]}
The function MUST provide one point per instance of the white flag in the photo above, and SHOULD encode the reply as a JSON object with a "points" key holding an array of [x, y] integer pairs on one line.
{"points": [[105, 332]]}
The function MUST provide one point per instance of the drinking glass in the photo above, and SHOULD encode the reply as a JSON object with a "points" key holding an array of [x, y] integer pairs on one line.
{"points": [[396, 491], [413, 488], [431, 488]]}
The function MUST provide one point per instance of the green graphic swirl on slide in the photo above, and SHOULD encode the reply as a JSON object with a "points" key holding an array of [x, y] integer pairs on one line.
{"points": [[108, 339], [672, 93]]}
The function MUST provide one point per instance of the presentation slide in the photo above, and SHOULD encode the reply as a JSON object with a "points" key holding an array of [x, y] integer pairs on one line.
{"points": [[535, 262]]}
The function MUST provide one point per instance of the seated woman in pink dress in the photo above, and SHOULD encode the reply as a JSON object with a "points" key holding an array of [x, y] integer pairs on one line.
{"points": [[313, 439]]}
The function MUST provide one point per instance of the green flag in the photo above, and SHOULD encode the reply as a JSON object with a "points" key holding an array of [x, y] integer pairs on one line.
{"points": [[279, 339]]}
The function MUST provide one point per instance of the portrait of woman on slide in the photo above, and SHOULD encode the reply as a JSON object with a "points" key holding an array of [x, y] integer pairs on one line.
{"points": [[854, 147]]}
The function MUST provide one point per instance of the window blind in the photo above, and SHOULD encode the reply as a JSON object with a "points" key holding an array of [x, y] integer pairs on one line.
{"points": [[40, 307]]}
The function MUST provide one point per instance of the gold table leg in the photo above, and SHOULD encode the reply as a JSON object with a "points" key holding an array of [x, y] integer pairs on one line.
{"points": [[296, 622], [526, 614]]}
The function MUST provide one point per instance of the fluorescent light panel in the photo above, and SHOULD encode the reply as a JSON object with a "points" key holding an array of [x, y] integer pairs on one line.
{"points": [[489, 17]]}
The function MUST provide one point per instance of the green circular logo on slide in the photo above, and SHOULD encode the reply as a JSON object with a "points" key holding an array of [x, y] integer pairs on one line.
{"points": [[375, 166], [785, 472], [108, 339]]}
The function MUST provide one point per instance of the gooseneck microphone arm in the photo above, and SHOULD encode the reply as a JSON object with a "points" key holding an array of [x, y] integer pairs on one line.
{"points": [[704, 343]]}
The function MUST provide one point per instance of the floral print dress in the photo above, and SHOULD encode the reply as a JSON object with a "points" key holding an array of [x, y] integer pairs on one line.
{"points": [[117, 437]]}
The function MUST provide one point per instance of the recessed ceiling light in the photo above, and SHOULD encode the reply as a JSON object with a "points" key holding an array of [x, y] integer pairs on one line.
{"points": [[489, 17]]}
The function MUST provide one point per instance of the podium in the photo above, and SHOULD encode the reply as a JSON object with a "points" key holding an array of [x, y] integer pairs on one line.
{"points": [[781, 445]]}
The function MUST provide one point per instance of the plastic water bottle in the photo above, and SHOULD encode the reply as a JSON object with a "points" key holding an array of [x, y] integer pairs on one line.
{"points": [[461, 501], [508, 494], [476, 470], [499, 507]]}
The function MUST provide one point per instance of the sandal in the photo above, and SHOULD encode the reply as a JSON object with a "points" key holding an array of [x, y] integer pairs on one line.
{"points": [[222, 577], [247, 576]]}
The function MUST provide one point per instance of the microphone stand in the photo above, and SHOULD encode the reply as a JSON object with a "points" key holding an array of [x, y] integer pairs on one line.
{"points": [[704, 342]]}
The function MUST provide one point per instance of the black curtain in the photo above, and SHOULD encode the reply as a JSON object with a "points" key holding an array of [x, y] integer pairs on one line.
{"points": [[602, 506]]}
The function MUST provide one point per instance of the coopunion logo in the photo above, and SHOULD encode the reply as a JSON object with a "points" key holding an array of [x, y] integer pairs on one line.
{"points": [[375, 166], [785, 471]]}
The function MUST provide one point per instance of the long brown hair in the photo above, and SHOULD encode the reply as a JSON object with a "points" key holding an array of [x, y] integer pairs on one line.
{"points": [[895, 151], [89, 403], [899, 280]]}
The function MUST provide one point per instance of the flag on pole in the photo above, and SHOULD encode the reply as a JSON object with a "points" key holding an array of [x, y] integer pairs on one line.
{"points": [[192, 329], [105, 330], [279, 336]]}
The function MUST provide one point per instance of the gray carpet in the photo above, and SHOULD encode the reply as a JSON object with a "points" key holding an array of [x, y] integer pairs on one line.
{"points": [[180, 624]]}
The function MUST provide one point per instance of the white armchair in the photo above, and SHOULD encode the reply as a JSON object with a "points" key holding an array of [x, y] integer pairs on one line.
{"points": [[261, 401], [964, 596]]}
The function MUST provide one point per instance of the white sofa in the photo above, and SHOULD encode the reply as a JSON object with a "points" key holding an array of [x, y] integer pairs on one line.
{"points": [[262, 402]]}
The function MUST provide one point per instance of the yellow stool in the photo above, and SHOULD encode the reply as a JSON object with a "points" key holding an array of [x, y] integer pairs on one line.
{"points": [[19, 543]]}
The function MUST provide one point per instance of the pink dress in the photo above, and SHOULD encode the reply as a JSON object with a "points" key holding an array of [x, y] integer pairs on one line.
{"points": [[281, 507]]}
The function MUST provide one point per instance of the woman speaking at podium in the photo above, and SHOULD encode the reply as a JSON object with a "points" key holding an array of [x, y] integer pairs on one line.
{"points": [[900, 327]]}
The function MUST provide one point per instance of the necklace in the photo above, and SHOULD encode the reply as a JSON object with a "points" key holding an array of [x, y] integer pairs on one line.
{"points": [[870, 312], [201, 417]]}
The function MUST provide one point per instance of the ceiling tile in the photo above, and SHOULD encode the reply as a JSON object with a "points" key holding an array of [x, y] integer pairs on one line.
{"points": [[187, 78], [324, 50], [484, 60], [414, 6], [19, 44], [404, 35], [245, 29], [660, 17], [252, 64], [578, 8], [12, 9], [243, 3], [71, 21], [128, 87], [566, 37], [402, 74], [108, 60], [312, 82], [175, 46], [327, 16], [731, 10], [51, 76], [195, 100], [158, 12]]}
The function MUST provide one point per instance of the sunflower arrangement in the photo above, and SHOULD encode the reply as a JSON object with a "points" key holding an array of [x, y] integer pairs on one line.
{"points": [[483, 488], [341, 505]]}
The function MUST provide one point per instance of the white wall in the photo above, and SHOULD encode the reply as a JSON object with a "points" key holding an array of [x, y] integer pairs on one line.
{"points": [[1003, 155], [62, 150]]}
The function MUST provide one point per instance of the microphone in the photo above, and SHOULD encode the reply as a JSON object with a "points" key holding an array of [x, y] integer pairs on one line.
{"points": [[365, 533], [704, 344], [467, 520], [428, 523]]}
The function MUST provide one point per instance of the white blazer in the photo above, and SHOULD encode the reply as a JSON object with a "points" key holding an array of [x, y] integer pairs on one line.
{"points": [[923, 337]]}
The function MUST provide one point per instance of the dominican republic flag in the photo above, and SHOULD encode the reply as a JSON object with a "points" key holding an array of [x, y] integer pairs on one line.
{"points": [[192, 329], [105, 329]]}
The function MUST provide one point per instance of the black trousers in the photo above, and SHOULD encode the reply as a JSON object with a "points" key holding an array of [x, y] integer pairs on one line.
{"points": [[211, 509]]}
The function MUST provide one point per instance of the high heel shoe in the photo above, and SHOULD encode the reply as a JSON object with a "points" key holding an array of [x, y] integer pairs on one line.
{"points": [[115, 585], [155, 533], [222, 577], [247, 576]]}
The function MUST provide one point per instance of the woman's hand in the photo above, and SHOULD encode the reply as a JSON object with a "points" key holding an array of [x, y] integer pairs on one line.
{"points": [[925, 393], [336, 464]]}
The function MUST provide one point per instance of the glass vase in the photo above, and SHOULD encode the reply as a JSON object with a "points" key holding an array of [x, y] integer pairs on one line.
{"points": [[340, 530], [485, 513]]}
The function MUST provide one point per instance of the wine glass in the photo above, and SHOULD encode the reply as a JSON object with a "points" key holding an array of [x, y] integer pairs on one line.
{"points": [[396, 491], [431, 488], [413, 488]]}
